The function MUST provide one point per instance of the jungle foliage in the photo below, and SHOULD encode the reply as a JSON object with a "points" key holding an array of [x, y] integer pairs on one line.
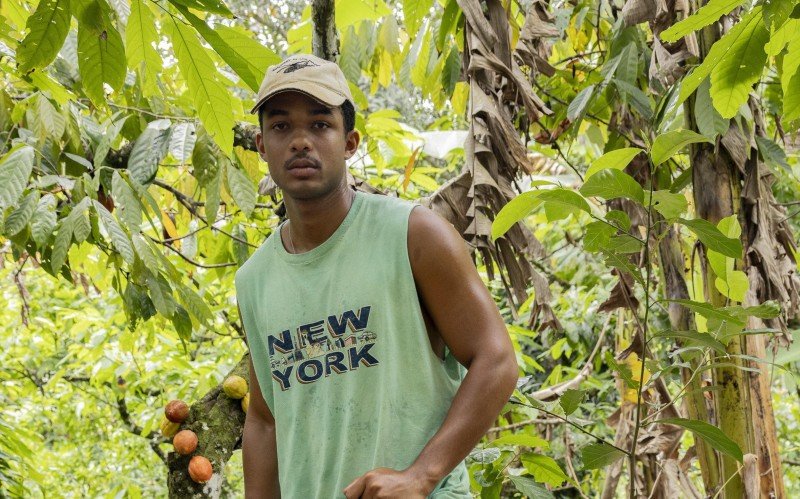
{"points": [[628, 184]]}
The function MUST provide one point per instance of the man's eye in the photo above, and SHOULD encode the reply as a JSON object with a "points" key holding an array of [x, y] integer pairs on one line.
{"points": [[279, 126], [321, 124]]}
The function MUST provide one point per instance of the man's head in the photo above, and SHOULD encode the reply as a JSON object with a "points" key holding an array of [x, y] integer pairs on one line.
{"points": [[306, 119], [308, 74]]}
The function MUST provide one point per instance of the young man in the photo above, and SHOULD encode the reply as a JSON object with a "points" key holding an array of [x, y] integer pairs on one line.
{"points": [[358, 311]]}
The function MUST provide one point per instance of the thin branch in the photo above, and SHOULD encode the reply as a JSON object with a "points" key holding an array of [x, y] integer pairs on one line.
{"points": [[189, 260]]}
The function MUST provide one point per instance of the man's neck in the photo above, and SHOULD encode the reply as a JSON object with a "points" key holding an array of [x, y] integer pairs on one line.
{"points": [[312, 222]]}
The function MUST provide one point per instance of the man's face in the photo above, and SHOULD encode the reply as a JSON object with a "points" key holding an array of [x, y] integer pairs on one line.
{"points": [[305, 146]]}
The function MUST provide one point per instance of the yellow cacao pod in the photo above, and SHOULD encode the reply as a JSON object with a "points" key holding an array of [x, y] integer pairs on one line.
{"points": [[235, 387], [246, 402], [168, 428]]}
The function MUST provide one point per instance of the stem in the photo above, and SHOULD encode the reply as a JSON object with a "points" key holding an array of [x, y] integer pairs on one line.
{"points": [[642, 355]]}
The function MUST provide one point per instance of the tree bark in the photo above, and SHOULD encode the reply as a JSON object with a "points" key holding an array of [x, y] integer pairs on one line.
{"points": [[218, 422], [324, 42]]}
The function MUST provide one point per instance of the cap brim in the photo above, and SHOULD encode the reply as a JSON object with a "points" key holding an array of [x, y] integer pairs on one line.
{"points": [[319, 93]]}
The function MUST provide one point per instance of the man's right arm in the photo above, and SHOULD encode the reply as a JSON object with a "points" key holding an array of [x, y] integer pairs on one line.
{"points": [[258, 446]]}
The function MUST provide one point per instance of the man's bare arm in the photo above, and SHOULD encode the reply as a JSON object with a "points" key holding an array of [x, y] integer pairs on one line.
{"points": [[467, 318], [258, 446]]}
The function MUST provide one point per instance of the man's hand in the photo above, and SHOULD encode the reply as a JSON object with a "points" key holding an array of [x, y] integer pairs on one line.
{"points": [[387, 483]]}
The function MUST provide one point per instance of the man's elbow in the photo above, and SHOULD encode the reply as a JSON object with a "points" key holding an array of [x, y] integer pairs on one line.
{"points": [[508, 371]]}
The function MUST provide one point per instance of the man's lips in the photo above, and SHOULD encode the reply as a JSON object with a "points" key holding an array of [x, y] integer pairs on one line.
{"points": [[296, 163]]}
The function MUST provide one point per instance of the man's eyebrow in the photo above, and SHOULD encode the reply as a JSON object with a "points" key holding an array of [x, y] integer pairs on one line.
{"points": [[277, 112], [325, 111]]}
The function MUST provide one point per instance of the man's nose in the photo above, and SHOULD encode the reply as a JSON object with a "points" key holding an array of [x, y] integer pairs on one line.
{"points": [[300, 141]]}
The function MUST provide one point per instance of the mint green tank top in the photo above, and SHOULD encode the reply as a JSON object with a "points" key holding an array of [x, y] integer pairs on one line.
{"points": [[340, 349]]}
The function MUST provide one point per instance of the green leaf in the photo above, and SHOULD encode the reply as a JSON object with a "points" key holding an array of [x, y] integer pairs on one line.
{"points": [[148, 151], [182, 323], [47, 30], [596, 456], [44, 220], [718, 52], [514, 211], [451, 71], [530, 488], [195, 304], [767, 310], [101, 54], [161, 294], [598, 234], [544, 469], [413, 12], [739, 69], [213, 6], [638, 99], [212, 197], [667, 144], [211, 99], [140, 38], [791, 98], [669, 204], [15, 168], [709, 122], [118, 236], [624, 370], [703, 339], [249, 58], [781, 37], [612, 184], [242, 189], [711, 434], [61, 244], [128, 206], [521, 439], [777, 11], [448, 23], [772, 153], [111, 133], [570, 400], [145, 252], [182, 141], [560, 203], [577, 107], [708, 311], [618, 159], [713, 238], [620, 218], [52, 122], [734, 286], [705, 15], [19, 218]]}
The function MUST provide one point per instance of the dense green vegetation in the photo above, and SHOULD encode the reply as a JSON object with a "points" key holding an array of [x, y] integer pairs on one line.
{"points": [[629, 183]]}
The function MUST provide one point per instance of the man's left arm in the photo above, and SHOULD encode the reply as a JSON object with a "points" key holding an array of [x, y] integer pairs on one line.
{"points": [[467, 318]]}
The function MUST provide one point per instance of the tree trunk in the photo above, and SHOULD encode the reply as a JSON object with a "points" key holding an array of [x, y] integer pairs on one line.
{"points": [[324, 42], [218, 422]]}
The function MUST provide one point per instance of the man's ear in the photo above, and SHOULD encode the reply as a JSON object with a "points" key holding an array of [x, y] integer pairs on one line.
{"points": [[351, 143], [262, 151]]}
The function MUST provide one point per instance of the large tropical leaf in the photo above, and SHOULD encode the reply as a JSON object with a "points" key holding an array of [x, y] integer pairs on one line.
{"points": [[248, 58], [718, 52], [140, 36], [705, 15], [148, 151], [210, 97], [668, 144], [15, 168], [711, 434], [47, 30], [101, 54], [740, 68]]}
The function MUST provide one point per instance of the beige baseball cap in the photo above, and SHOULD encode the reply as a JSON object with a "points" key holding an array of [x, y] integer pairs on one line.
{"points": [[319, 79]]}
